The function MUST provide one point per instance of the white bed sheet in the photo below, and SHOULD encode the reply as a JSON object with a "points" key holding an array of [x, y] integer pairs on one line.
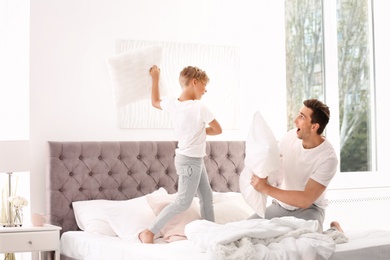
{"points": [[88, 246], [362, 245], [367, 244]]}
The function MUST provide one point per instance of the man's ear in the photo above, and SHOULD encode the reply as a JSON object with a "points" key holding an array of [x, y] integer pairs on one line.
{"points": [[315, 127]]}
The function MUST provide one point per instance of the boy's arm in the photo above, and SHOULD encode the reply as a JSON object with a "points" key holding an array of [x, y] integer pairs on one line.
{"points": [[214, 128], [155, 74]]}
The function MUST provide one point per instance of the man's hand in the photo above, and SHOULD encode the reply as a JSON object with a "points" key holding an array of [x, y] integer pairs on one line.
{"points": [[260, 184]]}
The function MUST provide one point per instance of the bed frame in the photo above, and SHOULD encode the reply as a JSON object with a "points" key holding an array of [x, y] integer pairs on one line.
{"points": [[124, 170]]}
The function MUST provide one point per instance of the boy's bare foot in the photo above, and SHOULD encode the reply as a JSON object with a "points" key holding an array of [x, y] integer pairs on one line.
{"points": [[146, 236], [336, 225]]}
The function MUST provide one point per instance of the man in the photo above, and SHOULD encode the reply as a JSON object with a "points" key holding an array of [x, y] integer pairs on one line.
{"points": [[309, 163]]}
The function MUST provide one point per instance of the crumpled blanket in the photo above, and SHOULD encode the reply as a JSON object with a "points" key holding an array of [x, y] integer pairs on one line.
{"points": [[278, 238]]}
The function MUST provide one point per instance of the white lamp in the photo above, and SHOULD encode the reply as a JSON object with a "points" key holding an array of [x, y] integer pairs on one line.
{"points": [[14, 157]]}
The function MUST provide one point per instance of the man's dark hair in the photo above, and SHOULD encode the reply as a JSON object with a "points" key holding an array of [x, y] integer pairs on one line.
{"points": [[320, 115]]}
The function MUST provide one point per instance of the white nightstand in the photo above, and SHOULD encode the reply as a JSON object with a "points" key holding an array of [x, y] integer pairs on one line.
{"points": [[30, 239]]}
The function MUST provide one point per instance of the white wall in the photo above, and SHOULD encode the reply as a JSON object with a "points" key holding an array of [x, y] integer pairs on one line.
{"points": [[70, 92], [14, 69]]}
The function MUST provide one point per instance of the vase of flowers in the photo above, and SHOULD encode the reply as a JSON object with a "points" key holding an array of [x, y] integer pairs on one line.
{"points": [[18, 202]]}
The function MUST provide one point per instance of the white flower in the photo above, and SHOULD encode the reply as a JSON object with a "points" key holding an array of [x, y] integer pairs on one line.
{"points": [[18, 201]]}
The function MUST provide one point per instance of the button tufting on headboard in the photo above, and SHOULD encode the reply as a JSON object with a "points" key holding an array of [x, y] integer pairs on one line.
{"points": [[128, 169]]}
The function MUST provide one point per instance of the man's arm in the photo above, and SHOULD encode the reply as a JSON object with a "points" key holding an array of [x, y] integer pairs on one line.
{"points": [[300, 199]]}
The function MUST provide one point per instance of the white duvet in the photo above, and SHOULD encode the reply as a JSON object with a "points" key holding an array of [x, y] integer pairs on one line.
{"points": [[281, 238]]}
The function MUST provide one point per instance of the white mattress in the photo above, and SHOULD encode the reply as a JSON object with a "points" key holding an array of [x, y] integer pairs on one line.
{"points": [[371, 244], [362, 245]]}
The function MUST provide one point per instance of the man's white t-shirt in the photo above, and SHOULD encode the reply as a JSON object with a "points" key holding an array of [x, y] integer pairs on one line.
{"points": [[189, 120], [300, 164]]}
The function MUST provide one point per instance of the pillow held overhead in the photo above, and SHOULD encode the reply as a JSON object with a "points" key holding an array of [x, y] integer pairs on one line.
{"points": [[261, 158], [129, 74]]}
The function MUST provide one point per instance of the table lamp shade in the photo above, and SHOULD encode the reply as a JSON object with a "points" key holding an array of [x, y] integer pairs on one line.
{"points": [[14, 156]]}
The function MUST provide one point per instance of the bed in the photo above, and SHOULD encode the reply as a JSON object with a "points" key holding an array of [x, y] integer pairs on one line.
{"points": [[103, 193]]}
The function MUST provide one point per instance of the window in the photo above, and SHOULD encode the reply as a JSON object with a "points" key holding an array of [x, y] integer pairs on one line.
{"points": [[329, 56]]}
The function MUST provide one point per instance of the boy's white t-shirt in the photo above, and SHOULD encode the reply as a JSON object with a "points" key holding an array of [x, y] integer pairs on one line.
{"points": [[319, 163], [189, 120]]}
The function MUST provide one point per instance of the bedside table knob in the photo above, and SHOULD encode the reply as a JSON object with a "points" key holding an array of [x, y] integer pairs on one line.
{"points": [[30, 242]]}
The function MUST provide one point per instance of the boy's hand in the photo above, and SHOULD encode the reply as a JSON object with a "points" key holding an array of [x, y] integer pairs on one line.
{"points": [[154, 73]]}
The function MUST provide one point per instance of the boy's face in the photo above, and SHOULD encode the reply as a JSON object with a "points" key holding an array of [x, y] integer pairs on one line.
{"points": [[200, 88]]}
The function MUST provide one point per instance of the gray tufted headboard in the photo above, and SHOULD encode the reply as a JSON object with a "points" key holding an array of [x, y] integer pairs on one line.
{"points": [[126, 169]]}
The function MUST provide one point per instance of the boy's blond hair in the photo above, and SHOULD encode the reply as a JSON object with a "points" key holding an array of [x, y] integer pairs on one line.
{"points": [[189, 73]]}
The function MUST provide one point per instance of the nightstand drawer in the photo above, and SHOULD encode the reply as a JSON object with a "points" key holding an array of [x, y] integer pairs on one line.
{"points": [[29, 241]]}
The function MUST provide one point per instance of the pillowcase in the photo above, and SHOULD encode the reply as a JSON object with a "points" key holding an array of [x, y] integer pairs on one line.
{"points": [[174, 229], [129, 73], [262, 158], [91, 217], [129, 217], [230, 207]]}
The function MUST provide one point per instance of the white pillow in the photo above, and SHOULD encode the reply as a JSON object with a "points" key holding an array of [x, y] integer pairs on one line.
{"points": [[262, 158], [230, 207], [91, 217], [129, 73], [130, 217], [174, 229]]}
